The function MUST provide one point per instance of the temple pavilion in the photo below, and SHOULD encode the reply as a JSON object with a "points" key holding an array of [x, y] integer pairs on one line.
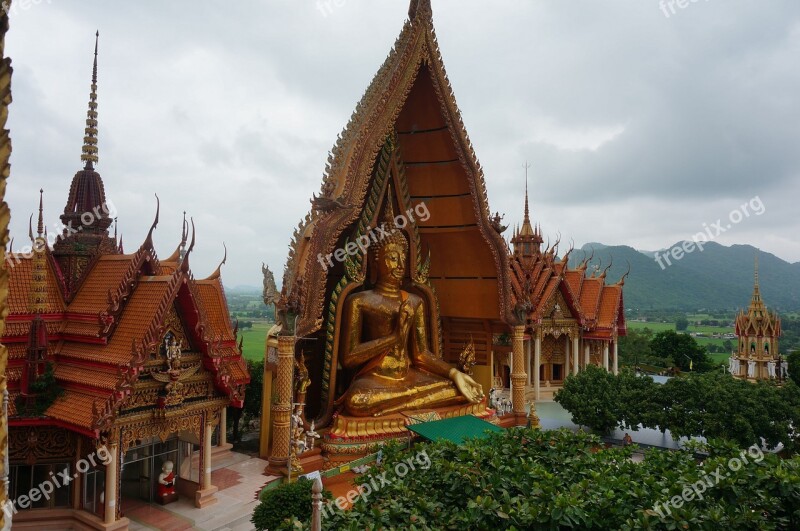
{"points": [[114, 350], [758, 330], [513, 317]]}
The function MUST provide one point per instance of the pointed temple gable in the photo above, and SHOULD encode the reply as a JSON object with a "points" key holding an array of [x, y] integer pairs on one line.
{"points": [[405, 150]]}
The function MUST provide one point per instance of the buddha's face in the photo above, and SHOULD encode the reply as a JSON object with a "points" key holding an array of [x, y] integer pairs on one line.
{"points": [[392, 263]]}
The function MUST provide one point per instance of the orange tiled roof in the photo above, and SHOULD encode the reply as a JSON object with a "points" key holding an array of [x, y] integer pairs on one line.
{"points": [[609, 306], [105, 276], [590, 296], [216, 307], [101, 378], [133, 323], [76, 407], [168, 268], [19, 286]]}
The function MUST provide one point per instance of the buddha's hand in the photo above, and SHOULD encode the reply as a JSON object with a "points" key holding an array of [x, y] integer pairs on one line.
{"points": [[404, 319], [468, 387]]}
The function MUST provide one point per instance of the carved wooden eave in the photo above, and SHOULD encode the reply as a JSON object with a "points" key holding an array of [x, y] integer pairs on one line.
{"points": [[351, 162]]}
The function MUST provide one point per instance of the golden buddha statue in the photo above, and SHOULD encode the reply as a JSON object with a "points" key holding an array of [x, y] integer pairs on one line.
{"points": [[385, 341]]}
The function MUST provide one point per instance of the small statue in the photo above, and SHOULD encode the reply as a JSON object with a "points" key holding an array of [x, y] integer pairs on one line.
{"points": [[496, 222], [311, 437], [627, 440], [166, 481]]}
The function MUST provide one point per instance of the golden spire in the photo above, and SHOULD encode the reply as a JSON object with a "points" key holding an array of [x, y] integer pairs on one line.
{"points": [[40, 226], [757, 306], [37, 295], [89, 151], [527, 229]]}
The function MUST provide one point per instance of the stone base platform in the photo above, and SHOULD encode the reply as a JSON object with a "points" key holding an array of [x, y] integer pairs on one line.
{"points": [[350, 438]]}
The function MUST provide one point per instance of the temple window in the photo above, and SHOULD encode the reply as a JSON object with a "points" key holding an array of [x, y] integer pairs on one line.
{"points": [[24, 478], [94, 485]]}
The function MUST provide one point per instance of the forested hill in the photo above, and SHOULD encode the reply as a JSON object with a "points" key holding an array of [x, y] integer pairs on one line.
{"points": [[718, 278]]}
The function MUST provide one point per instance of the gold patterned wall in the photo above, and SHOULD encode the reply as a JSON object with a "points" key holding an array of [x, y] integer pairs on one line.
{"points": [[5, 214]]}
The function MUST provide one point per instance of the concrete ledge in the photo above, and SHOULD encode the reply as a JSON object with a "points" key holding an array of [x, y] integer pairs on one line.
{"points": [[205, 497], [64, 519]]}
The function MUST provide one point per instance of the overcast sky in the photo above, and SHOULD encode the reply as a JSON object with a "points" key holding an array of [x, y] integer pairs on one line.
{"points": [[639, 127]]}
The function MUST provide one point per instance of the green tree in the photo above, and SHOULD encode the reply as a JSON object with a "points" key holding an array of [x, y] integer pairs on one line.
{"points": [[794, 366], [682, 350], [634, 348], [681, 324], [591, 397]]}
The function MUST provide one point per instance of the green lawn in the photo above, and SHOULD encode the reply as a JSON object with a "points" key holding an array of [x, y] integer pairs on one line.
{"points": [[660, 327], [253, 345], [654, 326]]}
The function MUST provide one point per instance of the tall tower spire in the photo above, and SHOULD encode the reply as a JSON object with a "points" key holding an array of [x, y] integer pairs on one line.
{"points": [[526, 241], [89, 151], [40, 226], [527, 228], [757, 304], [87, 216]]}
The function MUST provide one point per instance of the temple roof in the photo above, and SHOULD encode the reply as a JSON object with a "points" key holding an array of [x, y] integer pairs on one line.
{"points": [[409, 98], [101, 315]]}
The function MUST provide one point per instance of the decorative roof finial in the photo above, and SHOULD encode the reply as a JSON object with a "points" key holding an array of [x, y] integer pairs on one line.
{"points": [[419, 7], [89, 151], [40, 227], [756, 270]]}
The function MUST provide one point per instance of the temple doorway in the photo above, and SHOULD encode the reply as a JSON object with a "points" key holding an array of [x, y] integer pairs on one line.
{"points": [[144, 462]]}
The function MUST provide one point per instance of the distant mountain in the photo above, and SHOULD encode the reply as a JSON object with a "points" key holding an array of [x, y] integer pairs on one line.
{"points": [[244, 290], [717, 278]]}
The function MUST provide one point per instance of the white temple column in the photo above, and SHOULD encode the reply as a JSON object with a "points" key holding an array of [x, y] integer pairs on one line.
{"points": [[586, 357], [528, 359], [209, 430], [616, 356], [111, 483], [575, 354], [605, 356], [537, 361]]}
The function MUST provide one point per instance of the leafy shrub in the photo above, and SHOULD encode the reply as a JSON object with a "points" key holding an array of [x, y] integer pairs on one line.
{"points": [[284, 503]]}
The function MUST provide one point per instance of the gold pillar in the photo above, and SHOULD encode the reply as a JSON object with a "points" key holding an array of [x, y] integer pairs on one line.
{"points": [[223, 427], [518, 376], [281, 411], [566, 358], [111, 483], [5, 214]]}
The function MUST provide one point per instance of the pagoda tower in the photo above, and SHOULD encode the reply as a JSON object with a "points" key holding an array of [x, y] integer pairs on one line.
{"points": [[86, 216], [527, 240], [758, 331]]}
